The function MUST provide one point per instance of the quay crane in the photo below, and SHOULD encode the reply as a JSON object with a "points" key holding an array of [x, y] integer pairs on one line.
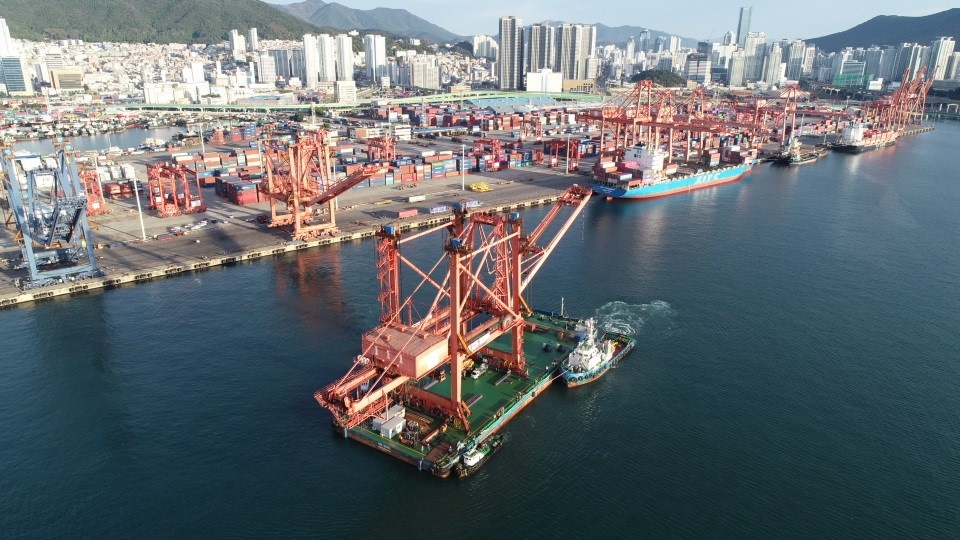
{"points": [[49, 207], [477, 297], [300, 178]]}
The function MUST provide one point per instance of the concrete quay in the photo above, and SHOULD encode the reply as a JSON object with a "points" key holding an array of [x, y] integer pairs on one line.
{"points": [[232, 235]]}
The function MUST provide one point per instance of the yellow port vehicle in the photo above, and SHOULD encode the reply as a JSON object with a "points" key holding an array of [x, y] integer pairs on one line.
{"points": [[480, 187]]}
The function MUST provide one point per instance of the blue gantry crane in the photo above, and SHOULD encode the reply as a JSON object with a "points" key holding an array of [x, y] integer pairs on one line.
{"points": [[49, 207]]}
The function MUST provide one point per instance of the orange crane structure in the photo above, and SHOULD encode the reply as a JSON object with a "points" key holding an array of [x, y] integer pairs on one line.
{"points": [[96, 203], [169, 187], [662, 117], [479, 147], [477, 296], [300, 179], [531, 128], [569, 148], [902, 108], [381, 149]]}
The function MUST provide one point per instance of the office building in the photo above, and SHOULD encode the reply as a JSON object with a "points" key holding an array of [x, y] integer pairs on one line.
{"points": [[743, 27], [15, 76]]}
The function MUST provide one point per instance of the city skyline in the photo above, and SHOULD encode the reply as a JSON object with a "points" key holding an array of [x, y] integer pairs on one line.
{"points": [[777, 20]]}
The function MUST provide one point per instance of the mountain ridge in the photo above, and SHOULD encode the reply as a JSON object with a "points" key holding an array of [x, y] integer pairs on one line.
{"points": [[156, 21], [396, 21], [893, 30]]}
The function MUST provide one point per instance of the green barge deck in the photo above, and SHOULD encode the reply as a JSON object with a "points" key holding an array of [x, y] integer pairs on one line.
{"points": [[432, 443]]}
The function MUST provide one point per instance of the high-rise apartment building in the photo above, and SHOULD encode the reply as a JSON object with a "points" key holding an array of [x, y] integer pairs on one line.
{"points": [[743, 27], [7, 46], [755, 49], [344, 57], [909, 59], [736, 73], [328, 58], [541, 47], [795, 57], [238, 44], [311, 61], [485, 47], [644, 41], [940, 51], [375, 52], [253, 40], [773, 65], [281, 62], [510, 59], [575, 44], [266, 69]]}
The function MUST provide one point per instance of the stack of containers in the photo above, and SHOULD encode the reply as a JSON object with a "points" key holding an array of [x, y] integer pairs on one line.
{"points": [[216, 137], [242, 193], [250, 131]]}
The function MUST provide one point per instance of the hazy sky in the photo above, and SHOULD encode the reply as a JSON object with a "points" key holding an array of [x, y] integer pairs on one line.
{"points": [[698, 19]]}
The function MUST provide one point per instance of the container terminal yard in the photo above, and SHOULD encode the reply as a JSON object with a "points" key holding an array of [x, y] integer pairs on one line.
{"points": [[432, 390]]}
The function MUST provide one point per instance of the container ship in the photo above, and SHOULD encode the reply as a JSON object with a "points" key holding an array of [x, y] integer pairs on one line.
{"points": [[858, 138], [644, 173]]}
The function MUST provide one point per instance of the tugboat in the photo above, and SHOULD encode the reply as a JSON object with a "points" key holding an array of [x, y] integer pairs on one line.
{"points": [[589, 360], [474, 458]]}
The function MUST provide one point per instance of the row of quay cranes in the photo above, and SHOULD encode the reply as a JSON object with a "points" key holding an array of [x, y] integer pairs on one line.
{"points": [[652, 117], [174, 190], [300, 181], [477, 297], [902, 108], [48, 207]]}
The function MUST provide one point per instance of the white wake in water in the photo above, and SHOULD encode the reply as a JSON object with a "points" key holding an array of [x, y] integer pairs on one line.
{"points": [[657, 317]]}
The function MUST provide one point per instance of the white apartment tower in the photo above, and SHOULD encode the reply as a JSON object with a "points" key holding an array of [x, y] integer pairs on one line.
{"points": [[328, 58], [575, 47], [344, 57], [375, 51], [311, 61], [541, 47], [940, 51], [510, 62]]}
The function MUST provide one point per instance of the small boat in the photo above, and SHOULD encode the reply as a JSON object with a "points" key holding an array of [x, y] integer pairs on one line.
{"points": [[589, 360], [474, 458]]}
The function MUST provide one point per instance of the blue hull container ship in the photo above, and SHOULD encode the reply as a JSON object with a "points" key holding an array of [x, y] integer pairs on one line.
{"points": [[643, 174]]}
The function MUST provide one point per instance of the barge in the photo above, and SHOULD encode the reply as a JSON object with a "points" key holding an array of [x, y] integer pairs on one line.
{"points": [[414, 430]]}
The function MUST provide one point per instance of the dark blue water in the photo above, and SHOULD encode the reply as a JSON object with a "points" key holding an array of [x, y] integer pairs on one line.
{"points": [[797, 375]]}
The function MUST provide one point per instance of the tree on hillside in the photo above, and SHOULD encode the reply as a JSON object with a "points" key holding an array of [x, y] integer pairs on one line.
{"points": [[660, 78]]}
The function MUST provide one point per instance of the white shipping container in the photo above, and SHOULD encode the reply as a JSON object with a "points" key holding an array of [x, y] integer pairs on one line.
{"points": [[391, 428]]}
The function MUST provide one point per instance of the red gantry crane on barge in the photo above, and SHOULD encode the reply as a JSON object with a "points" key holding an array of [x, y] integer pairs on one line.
{"points": [[477, 298]]}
